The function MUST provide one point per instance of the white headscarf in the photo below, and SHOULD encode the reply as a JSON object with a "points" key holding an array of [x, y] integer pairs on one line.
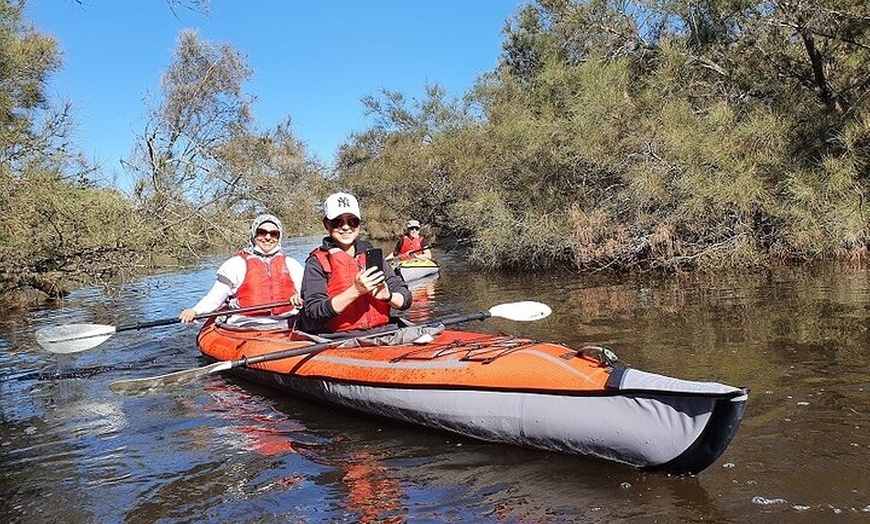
{"points": [[259, 221]]}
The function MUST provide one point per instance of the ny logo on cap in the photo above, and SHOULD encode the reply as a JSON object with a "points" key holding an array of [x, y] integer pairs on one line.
{"points": [[343, 202]]}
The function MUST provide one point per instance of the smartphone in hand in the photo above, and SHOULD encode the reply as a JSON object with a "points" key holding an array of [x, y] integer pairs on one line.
{"points": [[375, 258]]}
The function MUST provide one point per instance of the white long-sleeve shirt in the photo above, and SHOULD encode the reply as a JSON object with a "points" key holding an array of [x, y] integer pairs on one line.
{"points": [[230, 276]]}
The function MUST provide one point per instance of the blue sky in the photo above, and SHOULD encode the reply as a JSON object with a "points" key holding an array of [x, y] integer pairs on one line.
{"points": [[312, 60]]}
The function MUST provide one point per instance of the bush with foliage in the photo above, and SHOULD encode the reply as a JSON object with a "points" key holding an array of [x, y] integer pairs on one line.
{"points": [[643, 135]]}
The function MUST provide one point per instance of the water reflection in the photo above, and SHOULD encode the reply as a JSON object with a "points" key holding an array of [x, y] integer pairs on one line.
{"points": [[424, 296], [223, 450]]}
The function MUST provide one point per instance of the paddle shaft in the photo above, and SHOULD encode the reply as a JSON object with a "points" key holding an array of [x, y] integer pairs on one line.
{"points": [[169, 321], [317, 348], [420, 249], [446, 242], [432, 245]]}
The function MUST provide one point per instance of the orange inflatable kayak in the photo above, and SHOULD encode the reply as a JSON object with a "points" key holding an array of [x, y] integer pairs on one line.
{"points": [[501, 389]]}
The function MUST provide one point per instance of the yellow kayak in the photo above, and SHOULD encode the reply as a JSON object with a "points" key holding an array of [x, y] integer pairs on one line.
{"points": [[416, 268]]}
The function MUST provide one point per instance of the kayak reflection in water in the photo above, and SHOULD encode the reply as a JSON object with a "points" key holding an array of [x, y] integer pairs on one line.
{"points": [[370, 492], [423, 292]]}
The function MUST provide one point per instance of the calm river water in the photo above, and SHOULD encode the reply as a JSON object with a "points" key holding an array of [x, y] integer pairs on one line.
{"points": [[222, 450]]}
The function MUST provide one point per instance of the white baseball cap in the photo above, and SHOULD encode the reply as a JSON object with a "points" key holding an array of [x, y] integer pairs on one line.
{"points": [[413, 223], [338, 204]]}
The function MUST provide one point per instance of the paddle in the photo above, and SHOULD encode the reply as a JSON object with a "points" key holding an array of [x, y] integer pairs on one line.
{"points": [[520, 311], [447, 244], [73, 338]]}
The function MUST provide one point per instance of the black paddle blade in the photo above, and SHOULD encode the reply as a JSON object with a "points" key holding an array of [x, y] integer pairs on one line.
{"points": [[448, 243]]}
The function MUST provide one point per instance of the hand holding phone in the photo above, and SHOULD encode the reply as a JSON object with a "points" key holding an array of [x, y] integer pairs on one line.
{"points": [[375, 258], [375, 266]]}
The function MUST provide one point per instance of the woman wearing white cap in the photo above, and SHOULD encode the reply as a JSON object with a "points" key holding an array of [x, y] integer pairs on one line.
{"points": [[411, 245], [259, 274], [340, 292]]}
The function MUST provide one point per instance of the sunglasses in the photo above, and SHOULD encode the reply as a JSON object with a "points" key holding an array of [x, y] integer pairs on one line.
{"points": [[337, 222], [274, 233], [413, 228]]}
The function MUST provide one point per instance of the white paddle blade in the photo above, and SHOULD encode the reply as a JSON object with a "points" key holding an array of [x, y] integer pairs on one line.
{"points": [[73, 338], [525, 311]]}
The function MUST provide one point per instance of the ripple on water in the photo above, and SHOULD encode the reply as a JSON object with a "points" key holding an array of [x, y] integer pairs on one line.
{"points": [[224, 450]]}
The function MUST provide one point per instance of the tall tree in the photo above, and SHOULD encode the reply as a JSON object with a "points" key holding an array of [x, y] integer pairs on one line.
{"points": [[271, 171], [202, 108], [58, 228], [202, 166], [650, 133], [27, 58]]}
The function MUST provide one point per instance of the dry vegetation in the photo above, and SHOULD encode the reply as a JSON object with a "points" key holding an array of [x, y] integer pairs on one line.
{"points": [[664, 136]]}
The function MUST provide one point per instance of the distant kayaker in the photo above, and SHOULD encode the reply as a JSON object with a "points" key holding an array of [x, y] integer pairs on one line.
{"points": [[412, 244], [340, 292], [259, 274]]}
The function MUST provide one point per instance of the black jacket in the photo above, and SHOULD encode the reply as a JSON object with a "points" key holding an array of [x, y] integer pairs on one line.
{"points": [[318, 307]]}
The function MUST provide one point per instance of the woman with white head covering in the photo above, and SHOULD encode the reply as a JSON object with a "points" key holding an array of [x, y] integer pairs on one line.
{"points": [[259, 274]]}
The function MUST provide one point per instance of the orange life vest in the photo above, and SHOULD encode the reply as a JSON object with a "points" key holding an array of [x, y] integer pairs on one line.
{"points": [[265, 281], [366, 311], [410, 244]]}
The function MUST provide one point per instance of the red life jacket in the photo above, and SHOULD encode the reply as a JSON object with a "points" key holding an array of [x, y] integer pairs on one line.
{"points": [[266, 281], [366, 311], [410, 244]]}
